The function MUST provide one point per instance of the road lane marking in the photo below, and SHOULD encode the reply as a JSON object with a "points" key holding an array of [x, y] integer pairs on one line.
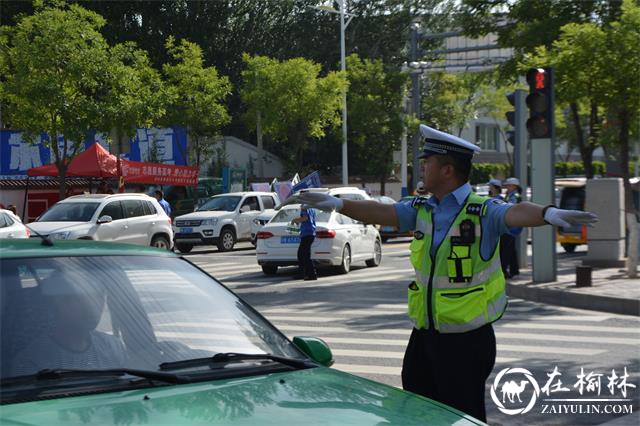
{"points": [[566, 327]]}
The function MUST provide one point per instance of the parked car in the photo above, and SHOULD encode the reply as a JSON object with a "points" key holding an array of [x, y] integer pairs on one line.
{"points": [[222, 221], [124, 218], [339, 242], [572, 194], [387, 231], [11, 226], [347, 192], [165, 344]]}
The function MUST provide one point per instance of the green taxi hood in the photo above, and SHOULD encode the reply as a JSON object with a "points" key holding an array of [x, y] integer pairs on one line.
{"points": [[317, 396], [33, 247]]}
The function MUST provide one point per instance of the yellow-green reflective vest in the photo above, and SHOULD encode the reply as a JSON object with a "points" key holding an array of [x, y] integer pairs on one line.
{"points": [[456, 290]]}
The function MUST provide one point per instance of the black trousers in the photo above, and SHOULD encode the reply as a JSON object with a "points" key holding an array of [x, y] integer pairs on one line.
{"points": [[451, 368], [509, 255], [305, 265]]}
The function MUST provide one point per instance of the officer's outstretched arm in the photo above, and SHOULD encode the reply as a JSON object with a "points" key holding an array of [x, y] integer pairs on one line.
{"points": [[530, 214], [368, 211]]}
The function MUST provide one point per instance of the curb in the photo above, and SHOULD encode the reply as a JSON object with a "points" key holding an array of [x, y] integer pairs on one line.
{"points": [[614, 305]]}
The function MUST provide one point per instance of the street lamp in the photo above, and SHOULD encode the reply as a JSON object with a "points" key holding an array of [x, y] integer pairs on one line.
{"points": [[343, 67]]}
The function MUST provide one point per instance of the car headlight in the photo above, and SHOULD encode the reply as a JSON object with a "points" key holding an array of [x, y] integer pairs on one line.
{"points": [[60, 235], [209, 222]]}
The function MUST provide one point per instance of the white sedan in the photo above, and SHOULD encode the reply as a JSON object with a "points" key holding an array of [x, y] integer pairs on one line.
{"points": [[11, 226], [339, 242]]}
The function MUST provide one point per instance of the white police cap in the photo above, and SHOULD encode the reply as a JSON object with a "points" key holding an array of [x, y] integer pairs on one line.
{"points": [[441, 143], [512, 181], [495, 182]]}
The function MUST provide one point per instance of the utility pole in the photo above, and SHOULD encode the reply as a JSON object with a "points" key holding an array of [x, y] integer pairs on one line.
{"points": [[417, 109]]}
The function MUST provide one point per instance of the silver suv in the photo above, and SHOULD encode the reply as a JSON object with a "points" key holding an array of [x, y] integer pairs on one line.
{"points": [[222, 220], [123, 218]]}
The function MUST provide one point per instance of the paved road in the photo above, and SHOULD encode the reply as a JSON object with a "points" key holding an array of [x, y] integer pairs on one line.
{"points": [[362, 316]]}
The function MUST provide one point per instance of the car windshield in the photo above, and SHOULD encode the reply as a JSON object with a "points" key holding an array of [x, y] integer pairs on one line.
{"points": [[286, 215], [134, 312], [70, 212], [226, 203]]}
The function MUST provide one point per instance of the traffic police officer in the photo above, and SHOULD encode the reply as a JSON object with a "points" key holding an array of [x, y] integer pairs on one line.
{"points": [[459, 288]]}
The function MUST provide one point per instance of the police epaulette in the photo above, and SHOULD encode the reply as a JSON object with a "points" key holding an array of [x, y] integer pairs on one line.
{"points": [[475, 209], [418, 201]]}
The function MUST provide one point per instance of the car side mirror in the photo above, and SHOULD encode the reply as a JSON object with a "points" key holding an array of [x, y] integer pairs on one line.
{"points": [[315, 348], [245, 209], [104, 219]]}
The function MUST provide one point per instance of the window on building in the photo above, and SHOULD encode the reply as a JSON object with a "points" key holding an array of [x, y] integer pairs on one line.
{"points": [[487, 136]]}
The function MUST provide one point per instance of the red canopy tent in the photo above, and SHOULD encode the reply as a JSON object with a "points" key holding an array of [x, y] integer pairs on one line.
{"points": [[95, 161]]}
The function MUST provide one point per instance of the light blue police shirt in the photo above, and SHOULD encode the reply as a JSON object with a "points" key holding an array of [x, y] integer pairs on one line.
{"points": [[445, 212]]}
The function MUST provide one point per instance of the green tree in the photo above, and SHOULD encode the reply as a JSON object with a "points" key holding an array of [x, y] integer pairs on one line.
{"points": [[135, 95], [56, 78], [375, 114], [294, 102], [195, 96]]}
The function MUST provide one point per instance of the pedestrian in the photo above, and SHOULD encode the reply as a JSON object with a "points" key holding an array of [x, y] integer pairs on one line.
{"points": [[495, 189], [307, 221], [459, 288], [163, 203], [508, 249]]}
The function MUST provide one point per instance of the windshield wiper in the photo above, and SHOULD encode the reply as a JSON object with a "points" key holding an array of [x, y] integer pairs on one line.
{"points": [[63, 373], [229, 357]]}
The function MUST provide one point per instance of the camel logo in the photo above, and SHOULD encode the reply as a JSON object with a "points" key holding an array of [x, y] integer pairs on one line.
{"points": [[512, 389]]}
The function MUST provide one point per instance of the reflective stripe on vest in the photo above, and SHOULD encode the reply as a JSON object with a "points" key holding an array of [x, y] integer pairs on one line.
{"points": [[467, 292]]}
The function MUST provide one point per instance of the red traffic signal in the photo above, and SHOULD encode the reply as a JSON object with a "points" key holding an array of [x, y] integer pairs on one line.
{"points": [[540, 102]]}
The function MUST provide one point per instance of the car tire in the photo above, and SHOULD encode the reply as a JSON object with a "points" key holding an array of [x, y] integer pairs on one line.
{"points": [[377, 255], [569, 248], [161, 242], [385, 239], [345, 265], [269, 269], [227, 240], [184, 248]]}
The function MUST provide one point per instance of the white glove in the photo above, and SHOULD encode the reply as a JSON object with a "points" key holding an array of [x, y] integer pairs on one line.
{"points": [[316, 200], [560, 217]]}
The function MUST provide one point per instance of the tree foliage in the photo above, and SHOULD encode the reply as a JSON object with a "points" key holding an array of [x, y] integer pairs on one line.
{"points": [[375, 114], [295, 102], [56, 78], [195, 96]]}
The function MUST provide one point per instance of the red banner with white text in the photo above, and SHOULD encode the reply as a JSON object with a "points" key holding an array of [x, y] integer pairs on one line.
{"points": [[159, 174]]}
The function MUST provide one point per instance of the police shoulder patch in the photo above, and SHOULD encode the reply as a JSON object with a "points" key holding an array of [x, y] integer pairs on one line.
{"points": [[474, 209]]}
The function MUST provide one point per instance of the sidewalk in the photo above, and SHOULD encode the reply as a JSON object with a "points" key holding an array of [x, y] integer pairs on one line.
{"points": [[610, 292]]}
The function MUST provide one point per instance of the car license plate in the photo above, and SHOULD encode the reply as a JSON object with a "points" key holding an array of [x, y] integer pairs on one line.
{"points": [[291, 239], [186, 230]]}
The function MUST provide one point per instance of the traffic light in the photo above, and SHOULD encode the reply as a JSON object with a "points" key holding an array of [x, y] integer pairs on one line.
{"points": [[540, 102]]}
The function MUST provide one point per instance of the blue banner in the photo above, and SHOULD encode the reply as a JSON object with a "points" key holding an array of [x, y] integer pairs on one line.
{"points": [[17, 155], [309, 181]]}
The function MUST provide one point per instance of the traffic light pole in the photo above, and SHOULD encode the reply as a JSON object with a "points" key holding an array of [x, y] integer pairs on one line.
{"points": [[416, 109], [544, 237], [521, 164]]}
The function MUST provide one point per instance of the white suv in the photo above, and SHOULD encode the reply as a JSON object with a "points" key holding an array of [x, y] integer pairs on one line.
{"points": [[222, 220], [123, 218]]}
